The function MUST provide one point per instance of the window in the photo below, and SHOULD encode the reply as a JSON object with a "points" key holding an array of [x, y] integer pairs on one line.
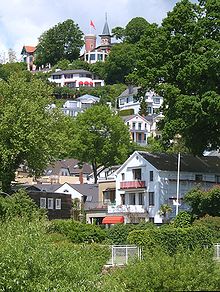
{"points": [[56, 76], [149, 110], [198, 177], [151, 219], [64, 172], [151, 198], [137, 174], [132, 200], [109, 196], [50, 203], [217, 179], [141, 198], [122, 176], [99, 57], [139, 137], [43, 203], [122, 101], [58, 204], [133, 125], [123, 199], [68, 76], [128, 124], [151, 175], [157, 100], [139, 126], [92, 57]]}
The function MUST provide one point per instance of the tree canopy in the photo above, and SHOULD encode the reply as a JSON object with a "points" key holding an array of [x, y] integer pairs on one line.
{"points": [[62, 41], [100, 137], [29, 131]]}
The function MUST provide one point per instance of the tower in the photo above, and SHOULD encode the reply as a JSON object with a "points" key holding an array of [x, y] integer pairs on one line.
{"points": [[105, 36], [90, 42]]}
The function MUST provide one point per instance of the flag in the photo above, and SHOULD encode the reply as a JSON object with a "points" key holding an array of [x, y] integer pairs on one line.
{"points": [[92, 24]]}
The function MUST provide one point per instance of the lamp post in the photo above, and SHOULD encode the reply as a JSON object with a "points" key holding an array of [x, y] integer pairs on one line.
{"points": [[178, 185]]}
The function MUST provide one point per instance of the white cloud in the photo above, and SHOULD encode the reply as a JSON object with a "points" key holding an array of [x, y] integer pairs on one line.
{"points": [[23, 21]]}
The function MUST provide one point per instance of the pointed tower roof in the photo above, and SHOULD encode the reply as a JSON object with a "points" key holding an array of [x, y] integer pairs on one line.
{"points": [[106, 31]]}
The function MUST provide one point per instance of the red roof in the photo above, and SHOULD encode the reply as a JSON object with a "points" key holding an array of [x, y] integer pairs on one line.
{"points": [[30, 49], [113, 220]]}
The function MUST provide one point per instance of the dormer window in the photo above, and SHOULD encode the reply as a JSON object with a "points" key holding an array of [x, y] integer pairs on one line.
{"points": [[137, 174]]}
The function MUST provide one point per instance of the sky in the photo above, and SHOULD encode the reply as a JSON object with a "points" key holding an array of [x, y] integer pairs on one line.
{"points": [[23, 21]]}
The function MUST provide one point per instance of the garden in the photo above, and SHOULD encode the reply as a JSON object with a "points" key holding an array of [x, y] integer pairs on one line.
{"points": [[67, 255]]}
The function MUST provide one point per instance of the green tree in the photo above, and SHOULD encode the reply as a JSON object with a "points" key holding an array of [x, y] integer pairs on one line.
{"points": [[29, 131], [63, 41], [164, 211], [135, 29], [204, 202], [99, 137], [143, 107]]}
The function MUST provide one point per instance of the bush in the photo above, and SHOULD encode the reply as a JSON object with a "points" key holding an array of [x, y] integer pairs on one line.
{"points": [[169, 239], [78, 232], [31, 261], [19, 205], [212, 223], [126, 112], [158, 271], [117, 234], [182, 220]]}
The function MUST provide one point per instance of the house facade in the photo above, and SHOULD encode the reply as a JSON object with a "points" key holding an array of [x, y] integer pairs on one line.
{"points": [[28, 57], [73, 107], [128, 101], [139, 127], [146, 181], [75, 78]]}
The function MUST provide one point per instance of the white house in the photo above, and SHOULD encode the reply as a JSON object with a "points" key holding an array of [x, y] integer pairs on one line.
{"points": [[146, 181], [73, 107], [75, 78], [139, 127], [128, 100]]}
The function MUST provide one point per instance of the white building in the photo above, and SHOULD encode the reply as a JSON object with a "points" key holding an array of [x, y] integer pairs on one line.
{"points": [[73, 107], [146, 181], [75, 79], [128, 100]]}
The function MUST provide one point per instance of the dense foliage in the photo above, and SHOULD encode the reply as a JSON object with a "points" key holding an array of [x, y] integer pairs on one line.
{"points": [[19, 205], [204, 202], [78, 232], [29, 131], [100, 138], [62, 41], [158, 271], [31, 261], [212, 223], [169, 239]]}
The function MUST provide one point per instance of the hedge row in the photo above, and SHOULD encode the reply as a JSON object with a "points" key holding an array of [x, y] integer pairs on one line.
{"points": [[78, 232], [169, 239]]}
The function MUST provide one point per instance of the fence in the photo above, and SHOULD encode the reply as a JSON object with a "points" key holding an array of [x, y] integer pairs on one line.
{"points": [[217, 251], [121, 254]]}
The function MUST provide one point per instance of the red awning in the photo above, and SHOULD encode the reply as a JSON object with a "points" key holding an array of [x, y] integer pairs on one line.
{"points": [[86, 82], [80, 82], [113, 220], [91, 83]]}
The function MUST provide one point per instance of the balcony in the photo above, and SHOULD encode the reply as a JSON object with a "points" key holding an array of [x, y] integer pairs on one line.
{"points": [[132, 184], [126, 209]]}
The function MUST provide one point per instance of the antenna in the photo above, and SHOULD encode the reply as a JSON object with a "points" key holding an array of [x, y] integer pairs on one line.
{"points": [[105, 16]]}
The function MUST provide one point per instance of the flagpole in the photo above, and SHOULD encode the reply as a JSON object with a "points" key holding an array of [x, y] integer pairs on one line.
{"points": [[178, 185]]}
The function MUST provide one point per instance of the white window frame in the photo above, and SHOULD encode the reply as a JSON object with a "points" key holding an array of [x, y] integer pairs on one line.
{"points": [[58, 204], [49, 200], [43, 203]]}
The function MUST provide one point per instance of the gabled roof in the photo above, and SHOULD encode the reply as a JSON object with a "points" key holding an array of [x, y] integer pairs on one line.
{"points": [[188, 162], [71, 71], [28, 49], [128, 118], [129, 91], [88, 96], [90, 193]]}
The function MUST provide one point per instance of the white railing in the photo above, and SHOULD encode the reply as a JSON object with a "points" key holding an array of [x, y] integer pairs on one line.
{"points": [[217, 251], [121, 254], [126, 209]]}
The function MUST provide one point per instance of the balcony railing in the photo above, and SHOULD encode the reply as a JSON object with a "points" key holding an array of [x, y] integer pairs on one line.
{"points": [[132, 184], [126, 209]]}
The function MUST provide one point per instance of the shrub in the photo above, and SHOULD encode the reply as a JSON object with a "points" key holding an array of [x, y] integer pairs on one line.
{"points": [[212, 223], [126, 112], [31, 261], [169, 239], [117, 234], [183, 220], [19, 205], [158, 271], [78, 232]]}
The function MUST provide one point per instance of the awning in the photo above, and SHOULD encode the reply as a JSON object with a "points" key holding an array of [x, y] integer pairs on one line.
{"points": [[113, 220]]}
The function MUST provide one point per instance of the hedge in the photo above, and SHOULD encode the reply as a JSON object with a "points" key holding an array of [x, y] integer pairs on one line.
{"points": [[78, 232], [169, 239]]}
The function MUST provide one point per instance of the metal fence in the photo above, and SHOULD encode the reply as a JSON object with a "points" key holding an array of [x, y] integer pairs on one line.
{"points": [[121, 254], [217, 251]]}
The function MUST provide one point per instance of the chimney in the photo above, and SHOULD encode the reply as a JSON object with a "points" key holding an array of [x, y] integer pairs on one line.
{"points": [[130, 89], [81, 176]]}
